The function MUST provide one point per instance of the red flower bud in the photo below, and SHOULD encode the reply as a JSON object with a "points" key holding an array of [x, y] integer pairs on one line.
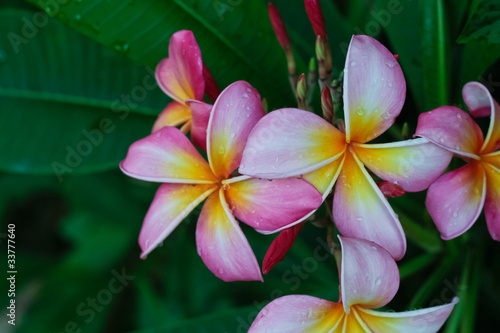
{"points": [[390, 189], [280, 246], [278, 26], [211, 88], [315, 14], [327, 104]]}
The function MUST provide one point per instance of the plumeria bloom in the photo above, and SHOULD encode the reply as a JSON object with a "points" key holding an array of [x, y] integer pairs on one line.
{"points": [[369, 278], [456, 199], [181, 77], [168, 156], [293, 142]]}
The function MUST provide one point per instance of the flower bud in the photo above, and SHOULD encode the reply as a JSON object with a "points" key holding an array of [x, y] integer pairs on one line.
{"points": [[302, 91], [315, 14], [327, 104], [280, 246]]}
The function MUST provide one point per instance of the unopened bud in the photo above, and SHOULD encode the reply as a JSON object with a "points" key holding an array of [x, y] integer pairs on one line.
{"points": [[302, 91], [324, 56], [327, 104], [282, 36], [280, 246], [313, 9], [396, 56], [265, 105], [405, 131], [212, 90]]}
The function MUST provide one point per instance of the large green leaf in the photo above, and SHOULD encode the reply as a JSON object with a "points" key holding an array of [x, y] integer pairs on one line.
{"points": [[483, 23], [69, 105], [235, 37]]}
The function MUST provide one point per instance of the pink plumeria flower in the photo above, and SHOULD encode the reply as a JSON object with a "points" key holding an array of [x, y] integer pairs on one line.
{"points": [[369, 278], [181, 77], [292, 142], [168, 156], [456, 199]]}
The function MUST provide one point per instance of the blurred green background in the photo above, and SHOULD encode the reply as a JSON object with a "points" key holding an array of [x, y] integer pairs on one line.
{"points": [[77, 88]]}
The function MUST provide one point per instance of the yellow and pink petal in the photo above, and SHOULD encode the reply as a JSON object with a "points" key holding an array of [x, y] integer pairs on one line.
{"points": [[360, 209], [428, 320], [175, 114], [479, 100], [456, 200], [221, 243], [272, 205], [167, 156], [374, 89], [180, 75], [234, 114], [172, 203], [412, 164], [325, 177], [299, 314], [291, 142], [492, 201], [369, 275], [452, 129]]}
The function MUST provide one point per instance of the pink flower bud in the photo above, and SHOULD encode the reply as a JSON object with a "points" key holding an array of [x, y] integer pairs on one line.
{"points": [[315, 14], [278, 26], [280, 246]]}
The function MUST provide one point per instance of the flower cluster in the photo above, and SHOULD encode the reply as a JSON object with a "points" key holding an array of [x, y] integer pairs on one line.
{"points": [[273, 171]]}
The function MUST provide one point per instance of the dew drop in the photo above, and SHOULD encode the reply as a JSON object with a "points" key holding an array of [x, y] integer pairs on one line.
{"points": [[359, 218], [245, 95], [353, 63], [378, 281], [457, 147], [374, 248], [360, 112], [376, 110], [221, 150], [455, 214], [221, 270], [390, 64], [233, 135], [459, 116]]}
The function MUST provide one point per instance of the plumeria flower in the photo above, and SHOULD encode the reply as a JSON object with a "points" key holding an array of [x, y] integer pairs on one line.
{"points": [[182, 77], [369, 278], [293, 142], [167, 156], [456, 199]]}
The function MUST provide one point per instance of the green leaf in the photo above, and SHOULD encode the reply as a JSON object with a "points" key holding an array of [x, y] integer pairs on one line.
{"points": [[483, 23], [68, 104], [235, 37], [435, 71]]}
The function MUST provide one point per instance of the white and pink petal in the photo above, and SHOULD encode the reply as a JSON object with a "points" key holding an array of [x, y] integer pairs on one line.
{"points": [[412, 164], [360, 210], [180, 75], [290, 142], [369, 275], [299, 314], [374, 89], [492, 201], [456, 199], [452, 129], [272, 205], [167, 156], [172, 203], [222, 245], [235, 112]]}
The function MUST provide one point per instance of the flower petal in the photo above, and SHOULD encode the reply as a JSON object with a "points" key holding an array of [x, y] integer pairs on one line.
{"points": [[290, 142], [272, 204], [360, 209], [325, 177], [280, 246], [221, 243], [369, 275], [167, 156], [174, 114], [234, 114], [298, 314], [180, 75], [456, 200], [201, 115], [172, 203], [412, 164], [480, 103], [374, 89], [427, 320], [452, 129], [492, 201]]}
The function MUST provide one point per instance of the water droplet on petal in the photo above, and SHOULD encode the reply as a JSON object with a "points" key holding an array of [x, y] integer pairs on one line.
{"points": [[374, 248], [459, 116], [378, 281], [353, 63], [221, 150], [221, 270], [390, 64], [360, 112], [245, 95], [359, 218]]}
